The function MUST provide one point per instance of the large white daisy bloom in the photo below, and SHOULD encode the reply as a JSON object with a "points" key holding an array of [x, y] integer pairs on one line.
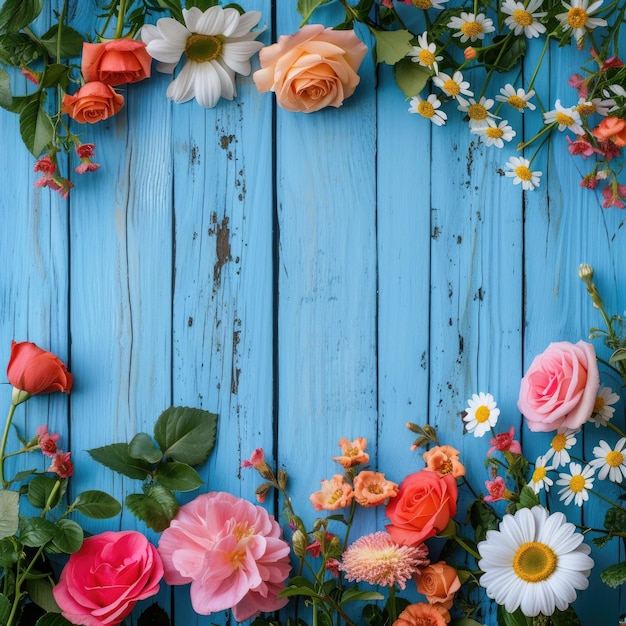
{"points": [[534, 561], [577, 17], [217, 44]]}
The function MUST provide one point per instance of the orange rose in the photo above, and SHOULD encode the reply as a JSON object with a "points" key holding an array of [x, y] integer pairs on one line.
{"points": [[423, 507], [612, 128], [420, 613], [93, 102], [315, 68], [116, 62], [439, 582]]}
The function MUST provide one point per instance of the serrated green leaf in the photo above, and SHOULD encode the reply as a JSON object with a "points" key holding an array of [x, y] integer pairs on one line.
{"points": [[528, 498], [156, 507], [16, 14], [173, 6], [186, 434], [5, 609], [35, 125], [116, 456], [36, 531], [142, 447], [615, 575], [39, 491], [615, 520], [306, 7], [69, 536], [9, 513], [178, 477], [52, 619], [601, 541], [97, 504], [40, 592], [71, 42], [411, 78], [392, 45]]}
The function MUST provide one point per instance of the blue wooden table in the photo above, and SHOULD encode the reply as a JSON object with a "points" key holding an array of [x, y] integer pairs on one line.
{"points": [[306, 277]]}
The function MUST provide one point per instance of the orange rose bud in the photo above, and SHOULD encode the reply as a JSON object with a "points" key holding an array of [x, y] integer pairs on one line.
{"points": [[92, 103], [438, 582], [116, 62], [470, 53]]}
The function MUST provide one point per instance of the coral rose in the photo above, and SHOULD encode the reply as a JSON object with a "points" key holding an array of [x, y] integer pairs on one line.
{"points": [[560, 387], [232, 553], [116, 62], [102, 582], [613, 128], [312, 69], [92, 103], [420, 614], [423, 507], [438, 582]]}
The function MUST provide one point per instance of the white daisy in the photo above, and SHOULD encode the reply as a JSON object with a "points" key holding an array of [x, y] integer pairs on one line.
{"points": [[611, 461], [429, 4], [535, 562], [524, 19], [618, 90], [602, 409], [540, 479], [576, 483], [561, 442], [481, 414], [217, 44], [453, 86], [478, 112], [577, 18], [517, 98], [429, 109], [470, 26], [495, 134], [595, 105], [565, 117], [425, 53], [519, 169]]}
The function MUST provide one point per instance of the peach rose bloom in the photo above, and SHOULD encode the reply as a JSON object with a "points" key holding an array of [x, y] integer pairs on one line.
{"points": [[372, 488], [92, 103], [420, 614], [444, 460], [352, 452], [336, 493], [438, 582], [312, 69], [613, 128], [116, 62]]}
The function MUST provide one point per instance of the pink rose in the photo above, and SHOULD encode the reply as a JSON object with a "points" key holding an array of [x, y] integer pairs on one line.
{"points": [[560, 387], [102, 582], [315, 68]]}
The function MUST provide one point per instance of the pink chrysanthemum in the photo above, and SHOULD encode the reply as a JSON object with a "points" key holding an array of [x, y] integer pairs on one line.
{"points": [[378, 560]]}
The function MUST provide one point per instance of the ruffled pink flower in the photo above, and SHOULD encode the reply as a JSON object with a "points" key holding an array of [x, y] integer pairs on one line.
{"points": [[61, 464], [232, 553], [497, 490], [336, 493], [580, 147], [47, 441], [504, 442]]}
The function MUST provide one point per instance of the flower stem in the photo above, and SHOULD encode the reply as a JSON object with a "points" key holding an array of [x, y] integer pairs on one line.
{"points": [[467, 548], [3, 445]]}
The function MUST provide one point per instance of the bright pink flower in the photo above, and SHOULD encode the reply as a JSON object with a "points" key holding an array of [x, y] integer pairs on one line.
{"points": [[314, 549], [33, 77], [609, 149], [231, 552], [104, 580], [580, 146], [45, 165], [497, 490], [86, 167], [61, 464], [85, 150], [590, 181], [610, 63], [47, 442], [504, 442], [580, 84], [256, 459], [613, 197], [332, 566]]}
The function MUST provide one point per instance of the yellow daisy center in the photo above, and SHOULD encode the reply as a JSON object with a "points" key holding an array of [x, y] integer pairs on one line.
{"points": [[482, 414], [426, 57], [559, 442], [517, 102], [614, 458], [564, 119], [539, 474], [494, 133], [523, 173], [477, 112], [577, 17], [422, 4], [577, 483], [586, 108], [472, 29], [599, 404], [534, 562], [426, 109], [202, 48], [523, 18], [451, 87]]}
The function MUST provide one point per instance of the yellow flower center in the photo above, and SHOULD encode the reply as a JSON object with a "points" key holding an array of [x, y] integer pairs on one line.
{"points": [[614, 458], [426, 109], [577, 17], [482, 414], [422, 4], [517, 102], [334, 496], [352, 452], [375, 488], [564, 119], [477, 112], [577, 483], [523, 173], [534, 562], [559, 442], [426, 57], [472, 29], [242, 530], [451, 87], [202, 48], [494, 133], [586, 108], [539, 474], [445, 468], [599, 404], [523, 18]]}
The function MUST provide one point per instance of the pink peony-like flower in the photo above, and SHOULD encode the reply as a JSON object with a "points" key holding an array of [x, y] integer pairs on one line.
{"points": [[102, 582], [336, 493], [232, 553], [372, 488], [504, 442], [560, 387]]}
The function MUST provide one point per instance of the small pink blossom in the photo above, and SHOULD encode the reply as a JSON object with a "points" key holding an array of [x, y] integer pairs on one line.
{"points": [[609, 149], [332, 566], [314, 549], [504, 442], [45, 165], [33, 77], [85, 152], [580, 84], [590, 181], [613, 196], [61, 464], [580, 146], [47, 442], [256, 459], [497, 490]]}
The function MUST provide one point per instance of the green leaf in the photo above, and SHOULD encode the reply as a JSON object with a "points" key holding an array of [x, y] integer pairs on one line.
{"points": [[117, 457], [504, 58], [512, 619], [9, 513], [173, 6], [16, 14], [156, 507], [18, 49], [392, 45], [306, 8], [52, 619], [40, 592], [142, 447], [618, 355], [36, 531], [6, 97], [39, 491], [527, 498], [411, 78], [71, 42], [35, 125], [17, 106], [154, 615], [352, 594], [96, 504], [465, 621], [565, 618], [5, 609], [56, 74], [294, 590], [186, 434], [615, 520], [615, 575], [8, 552], [178, 477], [601, 541], [203, 5], [69, 536]]}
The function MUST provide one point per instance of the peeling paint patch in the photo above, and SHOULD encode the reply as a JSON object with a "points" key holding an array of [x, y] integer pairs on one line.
{"points": [[222, 247], [225, 141]]}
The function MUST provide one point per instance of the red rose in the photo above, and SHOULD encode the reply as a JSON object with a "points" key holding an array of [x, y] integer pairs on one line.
{"points": [[34, 370], [116, 62], [423, 507], [102, 582], [93, 102]]}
